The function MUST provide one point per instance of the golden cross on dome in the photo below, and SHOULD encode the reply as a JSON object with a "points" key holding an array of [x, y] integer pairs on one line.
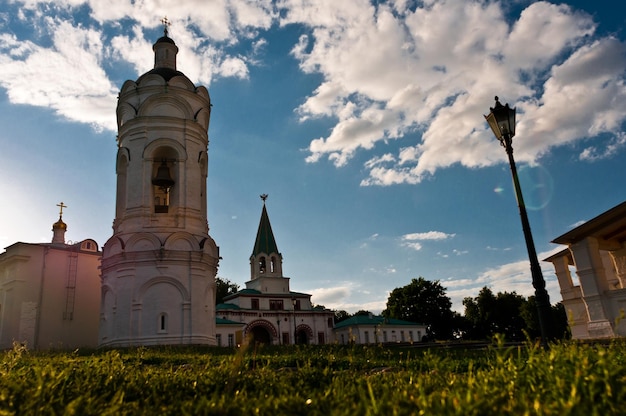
{"points": [[61, 206], [166, 24]]}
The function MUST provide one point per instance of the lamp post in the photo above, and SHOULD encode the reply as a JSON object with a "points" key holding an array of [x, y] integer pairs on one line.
{"points": [[501, 119], [295, 330]]}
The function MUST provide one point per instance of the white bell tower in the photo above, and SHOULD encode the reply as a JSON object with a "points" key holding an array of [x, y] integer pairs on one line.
{"points": [[159, 267]]}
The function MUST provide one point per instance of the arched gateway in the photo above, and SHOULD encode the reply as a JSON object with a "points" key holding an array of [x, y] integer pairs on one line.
{"points": [[261, 332]]}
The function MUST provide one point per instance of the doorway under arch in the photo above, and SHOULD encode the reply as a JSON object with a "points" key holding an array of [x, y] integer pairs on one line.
{"points": [[302, 337], [260, 335], [304, 334]]}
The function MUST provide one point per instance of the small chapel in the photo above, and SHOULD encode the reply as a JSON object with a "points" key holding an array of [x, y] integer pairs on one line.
{"points": [[50, 292]]}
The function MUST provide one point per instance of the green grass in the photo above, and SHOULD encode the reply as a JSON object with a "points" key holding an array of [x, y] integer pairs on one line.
{"points": [[567, 379]]}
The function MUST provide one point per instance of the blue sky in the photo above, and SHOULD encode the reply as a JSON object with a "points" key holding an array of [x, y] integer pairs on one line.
{"points": [[362, 120]]}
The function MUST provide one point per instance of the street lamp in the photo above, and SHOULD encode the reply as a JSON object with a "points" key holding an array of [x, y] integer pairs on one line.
{"points": [[295, 330], [501, 119]]}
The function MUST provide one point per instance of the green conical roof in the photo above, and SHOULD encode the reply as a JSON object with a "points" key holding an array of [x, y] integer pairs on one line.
{"points": [[265, 242]]}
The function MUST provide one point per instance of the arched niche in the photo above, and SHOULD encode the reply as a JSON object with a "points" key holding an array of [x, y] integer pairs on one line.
{"points": [[204, 93], [125, 112], [143, 242], [108, 305], [158, 147], [181, 241], [121, 168], [168, 282], [150, 80], [112, 247], [203, 117], [209, 247], [166, 105], [129, 85], [181, 82]]}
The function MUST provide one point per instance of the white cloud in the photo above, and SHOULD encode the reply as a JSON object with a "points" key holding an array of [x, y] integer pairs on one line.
{"points": [[391, 72], [66, 77], [329, 296], [604, 150], [64, 66], [412, 240], [511, 277], [430, 235], [413, 245]]}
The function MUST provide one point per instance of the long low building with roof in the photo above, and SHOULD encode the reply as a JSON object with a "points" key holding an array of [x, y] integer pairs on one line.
{"points": [[376, 329]]}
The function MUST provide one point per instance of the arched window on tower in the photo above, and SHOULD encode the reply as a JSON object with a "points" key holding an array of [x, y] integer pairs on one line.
{"points": [[273, 264], [162, 183], [262, 265]]}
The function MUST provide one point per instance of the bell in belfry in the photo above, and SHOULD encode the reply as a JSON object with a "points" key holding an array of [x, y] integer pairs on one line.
{"points": [[163, 179]]}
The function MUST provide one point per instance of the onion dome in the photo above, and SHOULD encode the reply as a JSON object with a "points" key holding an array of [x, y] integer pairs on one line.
{"points": [[165, 51], [59, 225]]}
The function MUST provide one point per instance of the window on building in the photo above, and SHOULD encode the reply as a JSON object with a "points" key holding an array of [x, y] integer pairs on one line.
{"points": [[330, 322], [419, 335], [296, 305], [162, 323], [343, 340], [231, 340], [286, 338], [402, 336], [384, 336], [321, 338], [273, 264], [276, 304], [255, 304], [262, 265], [218, 338], [367, 337]]}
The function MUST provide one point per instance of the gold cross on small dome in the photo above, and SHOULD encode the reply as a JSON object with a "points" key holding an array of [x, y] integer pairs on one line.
{"points": [[61, 206], [166, 24]]}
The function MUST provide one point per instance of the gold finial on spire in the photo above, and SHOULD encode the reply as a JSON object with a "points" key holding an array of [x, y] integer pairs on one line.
{"points": [[166, 24], [61, 206], [263, 197]]}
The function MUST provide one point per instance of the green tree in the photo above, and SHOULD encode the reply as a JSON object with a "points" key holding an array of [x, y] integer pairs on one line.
{"points": [[223, 288], [559, 319], [341, 316], [490, 314], [423, 301], [478, 312]]}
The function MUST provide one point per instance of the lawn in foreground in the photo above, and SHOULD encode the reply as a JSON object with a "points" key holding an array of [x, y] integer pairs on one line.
{"points": [[568, 378]]}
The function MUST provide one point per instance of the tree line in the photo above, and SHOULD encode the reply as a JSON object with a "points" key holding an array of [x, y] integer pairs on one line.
{"points": [[506, 313]]}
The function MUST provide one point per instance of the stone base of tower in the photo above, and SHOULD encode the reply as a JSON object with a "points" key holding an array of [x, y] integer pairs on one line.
{"points": [[156, 341], [163, 296]]}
